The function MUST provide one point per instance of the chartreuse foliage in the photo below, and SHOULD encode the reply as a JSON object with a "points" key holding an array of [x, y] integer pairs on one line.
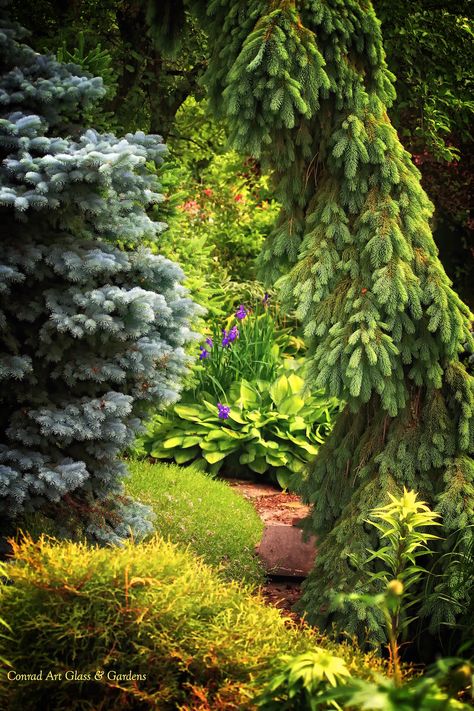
{"points": [[144, 609], [403, 540], [270, 428], [304, 86], [90, 336]]}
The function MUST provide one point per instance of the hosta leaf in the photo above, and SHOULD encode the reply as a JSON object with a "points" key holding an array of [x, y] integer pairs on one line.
{"points": [[188, 411], [190, 441], [297, 424], [173, 442], [211, 407], [247, 396], [285, 478], [254, 416], [207, 446], [228, 447], [215, 468], [247, 457], [276, 460], [259, 465], [159, 453], [185, 455], [295, 465], [291, 405], [303, 444], [220, 433], [296, 383], [213, 457], [279, 390], [236, 416]]}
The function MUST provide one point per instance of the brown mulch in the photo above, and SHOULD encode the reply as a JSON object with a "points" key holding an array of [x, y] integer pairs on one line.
{"points": [[283, 594], [272, 504], [276, 506]]}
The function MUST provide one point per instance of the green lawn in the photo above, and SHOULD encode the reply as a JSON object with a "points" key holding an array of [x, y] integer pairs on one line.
{"points": [[204, 513]]}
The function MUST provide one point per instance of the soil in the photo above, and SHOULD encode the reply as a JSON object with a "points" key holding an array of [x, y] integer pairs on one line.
{"points": [[283, 594], [275, 506], [272, 505]]}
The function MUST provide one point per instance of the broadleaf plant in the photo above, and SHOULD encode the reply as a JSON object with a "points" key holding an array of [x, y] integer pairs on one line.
{"points": [[272, 428]]}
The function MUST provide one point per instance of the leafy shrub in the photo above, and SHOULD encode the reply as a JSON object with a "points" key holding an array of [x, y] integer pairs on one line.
{"points": [[233, 204], [271, 424], [303, 682], [145, 609], [219, 210], [207, 515], [404, 539], [268, 427], [430, 692], [303, 679]]}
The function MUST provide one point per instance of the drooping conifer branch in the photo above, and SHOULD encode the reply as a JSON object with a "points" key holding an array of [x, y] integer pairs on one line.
{"points": [[305, 88]]}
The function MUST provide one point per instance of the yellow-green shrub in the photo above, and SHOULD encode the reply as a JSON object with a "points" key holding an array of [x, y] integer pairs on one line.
{"points": [[149, 609]]}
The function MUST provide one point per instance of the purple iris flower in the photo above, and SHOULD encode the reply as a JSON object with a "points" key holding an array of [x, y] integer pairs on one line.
{"points": [[265, 299], [241, 312], [233, 334], [225, 338], [209, 342], [204, 353], [223, 411]]}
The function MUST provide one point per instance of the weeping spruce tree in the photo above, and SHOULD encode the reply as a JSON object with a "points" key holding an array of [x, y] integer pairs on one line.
{"points": [[304, 87]]}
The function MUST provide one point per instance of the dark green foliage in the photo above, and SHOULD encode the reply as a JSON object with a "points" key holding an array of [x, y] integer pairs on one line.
{"points": [[147, 609], [384, 327], [157, 53], [452, 581], [166, 21], [429, 47]]}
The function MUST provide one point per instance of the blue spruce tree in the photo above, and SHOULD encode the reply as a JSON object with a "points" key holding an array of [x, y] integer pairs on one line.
{"points": [[90, 335]]}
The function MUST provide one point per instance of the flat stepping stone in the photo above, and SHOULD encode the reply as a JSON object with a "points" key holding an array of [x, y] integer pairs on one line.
{"points": [[282, 550]]}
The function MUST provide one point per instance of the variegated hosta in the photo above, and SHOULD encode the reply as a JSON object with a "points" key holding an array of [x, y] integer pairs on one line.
{"points": [[273, 428]]}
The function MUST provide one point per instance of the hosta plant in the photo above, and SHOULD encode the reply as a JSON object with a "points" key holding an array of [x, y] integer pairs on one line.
{"points": [[272, 428]]}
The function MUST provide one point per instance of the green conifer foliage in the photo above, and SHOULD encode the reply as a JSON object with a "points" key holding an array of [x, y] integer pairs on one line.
{"points": [[305, 88], [90, 335]]}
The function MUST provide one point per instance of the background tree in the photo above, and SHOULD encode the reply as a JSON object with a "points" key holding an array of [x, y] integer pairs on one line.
{"points": [[429, 46], [151, 51], [305, 88], [90, 335]]}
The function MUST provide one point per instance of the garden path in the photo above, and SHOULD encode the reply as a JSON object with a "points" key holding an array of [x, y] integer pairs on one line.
{"points": [[276, 507]]}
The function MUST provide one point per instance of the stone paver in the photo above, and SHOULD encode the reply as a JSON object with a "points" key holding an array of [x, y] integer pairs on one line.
{"points": [[283, 551]]}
